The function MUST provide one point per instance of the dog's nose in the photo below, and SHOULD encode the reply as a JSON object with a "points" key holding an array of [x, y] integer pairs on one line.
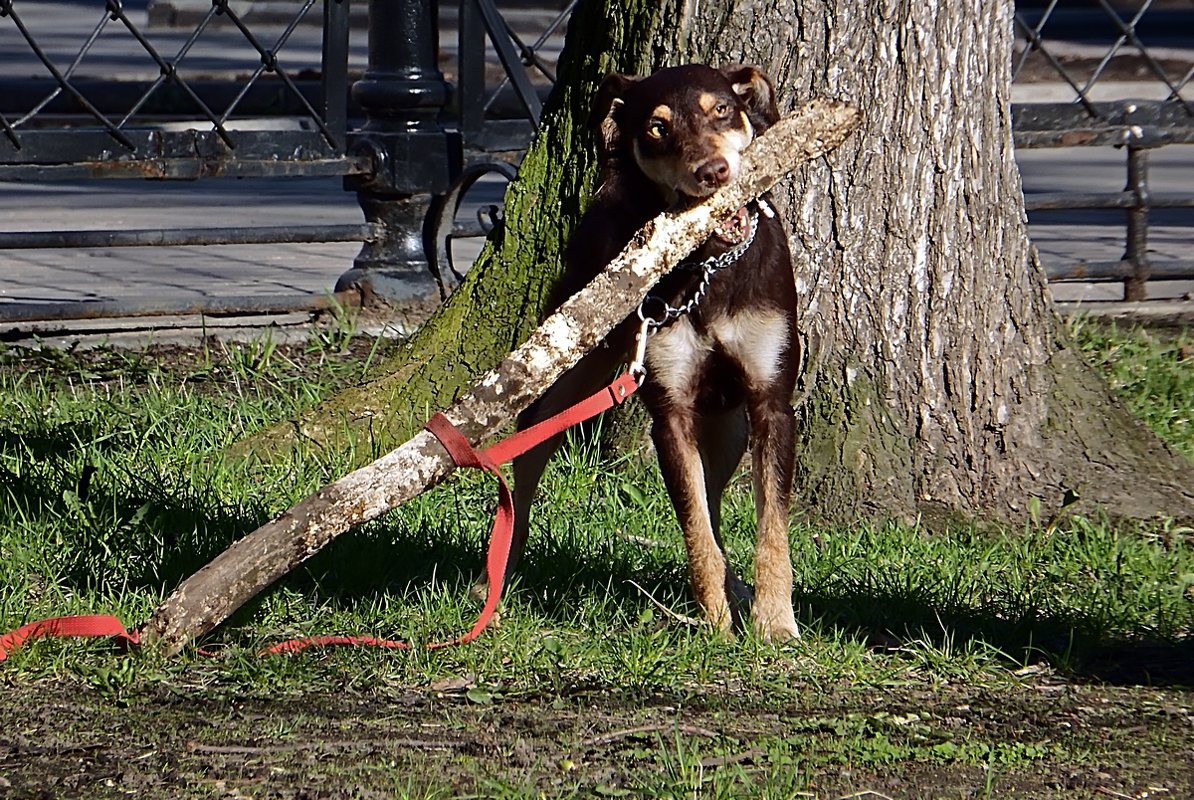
{"points": [[713, 173]]}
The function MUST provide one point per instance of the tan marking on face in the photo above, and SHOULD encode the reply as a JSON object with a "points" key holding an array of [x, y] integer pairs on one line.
{"points": [[708, 102], [727, 144], [659, 123], [674, 173], [667, 172]]}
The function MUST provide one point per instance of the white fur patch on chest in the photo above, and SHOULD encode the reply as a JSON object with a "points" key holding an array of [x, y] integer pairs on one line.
{"points": [[674, 354], [755, 338]]}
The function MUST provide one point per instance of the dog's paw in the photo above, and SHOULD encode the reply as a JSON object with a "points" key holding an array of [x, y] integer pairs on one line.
{"points": [[777, 627], [718, 618]]}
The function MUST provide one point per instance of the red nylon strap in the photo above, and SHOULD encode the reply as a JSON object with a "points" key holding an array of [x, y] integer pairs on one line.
{"points": [[94, 626], [464, 455], [516, 444], [502, 533]]}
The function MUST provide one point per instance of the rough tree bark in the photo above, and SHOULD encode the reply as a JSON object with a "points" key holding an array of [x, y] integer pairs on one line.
{"points": [[938, 380]]}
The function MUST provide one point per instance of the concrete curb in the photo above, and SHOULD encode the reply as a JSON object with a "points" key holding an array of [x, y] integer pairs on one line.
{"points": [[297, 328], [1151, 313]]}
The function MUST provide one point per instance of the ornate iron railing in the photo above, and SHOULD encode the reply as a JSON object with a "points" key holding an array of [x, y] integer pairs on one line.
{"points": [[125, 144], [408, 144]]}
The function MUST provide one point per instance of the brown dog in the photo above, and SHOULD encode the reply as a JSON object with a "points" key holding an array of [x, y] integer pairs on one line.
{"points": [[666, 139]]}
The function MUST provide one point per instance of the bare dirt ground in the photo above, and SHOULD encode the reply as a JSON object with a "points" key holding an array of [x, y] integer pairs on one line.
{"points": [[1055, 739]]}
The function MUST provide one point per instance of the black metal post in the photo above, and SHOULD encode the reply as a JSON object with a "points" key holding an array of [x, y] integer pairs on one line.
{"points": [[403, 94], [1136, 287], [470, 81], [335, 68]]}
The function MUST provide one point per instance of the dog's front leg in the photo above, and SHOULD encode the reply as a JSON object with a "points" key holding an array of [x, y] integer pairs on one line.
{"points": [[675, 437], [772, 456]]}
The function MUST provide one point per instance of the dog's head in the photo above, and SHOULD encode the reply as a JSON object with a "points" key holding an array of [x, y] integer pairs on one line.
{"points": [[685, 127]]}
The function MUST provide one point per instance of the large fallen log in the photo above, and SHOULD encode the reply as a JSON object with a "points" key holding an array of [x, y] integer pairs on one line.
{"points": [[251, 564]]}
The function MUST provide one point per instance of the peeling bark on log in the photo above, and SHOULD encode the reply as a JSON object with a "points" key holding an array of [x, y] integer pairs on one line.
{"points": [[208, 597]]}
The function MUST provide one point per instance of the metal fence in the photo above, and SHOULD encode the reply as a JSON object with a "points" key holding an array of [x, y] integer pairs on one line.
{"points": [[410, 146], [412, 138], [1091, 49]]}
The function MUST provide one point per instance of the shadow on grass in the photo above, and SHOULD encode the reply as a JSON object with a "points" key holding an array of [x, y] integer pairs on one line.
{"points": [[555, 576], [560, 574], [149, 539], [114, 530], [1074, 644]]}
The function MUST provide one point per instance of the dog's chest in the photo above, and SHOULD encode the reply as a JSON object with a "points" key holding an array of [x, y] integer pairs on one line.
{"points": [[744, 345]]}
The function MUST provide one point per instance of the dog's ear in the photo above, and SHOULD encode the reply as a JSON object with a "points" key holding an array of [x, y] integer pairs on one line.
{"points": [[756, 92], [604, 117]]}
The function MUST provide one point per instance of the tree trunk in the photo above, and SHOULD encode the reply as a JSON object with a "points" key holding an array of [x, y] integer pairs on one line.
{"points": [[938, 380]]}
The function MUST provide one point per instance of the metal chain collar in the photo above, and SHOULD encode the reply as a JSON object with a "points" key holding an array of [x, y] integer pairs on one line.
{"points": [[708, 268]]}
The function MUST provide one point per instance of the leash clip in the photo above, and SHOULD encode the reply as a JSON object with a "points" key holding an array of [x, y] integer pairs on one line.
{"points": [[638, 368]]}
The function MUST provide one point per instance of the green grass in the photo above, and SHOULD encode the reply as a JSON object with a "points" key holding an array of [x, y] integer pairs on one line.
{"points": [[111, 492], [1153, 372]]}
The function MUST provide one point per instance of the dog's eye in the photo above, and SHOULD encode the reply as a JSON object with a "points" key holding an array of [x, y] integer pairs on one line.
{"points": [[657, 129], [721, 110]]}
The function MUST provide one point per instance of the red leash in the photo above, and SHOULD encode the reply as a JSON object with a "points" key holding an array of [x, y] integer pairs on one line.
{"points": [[91, 627], [464, 455]]}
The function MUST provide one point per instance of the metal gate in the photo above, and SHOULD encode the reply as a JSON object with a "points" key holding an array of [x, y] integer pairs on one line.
{"points": [[68, 125]]}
